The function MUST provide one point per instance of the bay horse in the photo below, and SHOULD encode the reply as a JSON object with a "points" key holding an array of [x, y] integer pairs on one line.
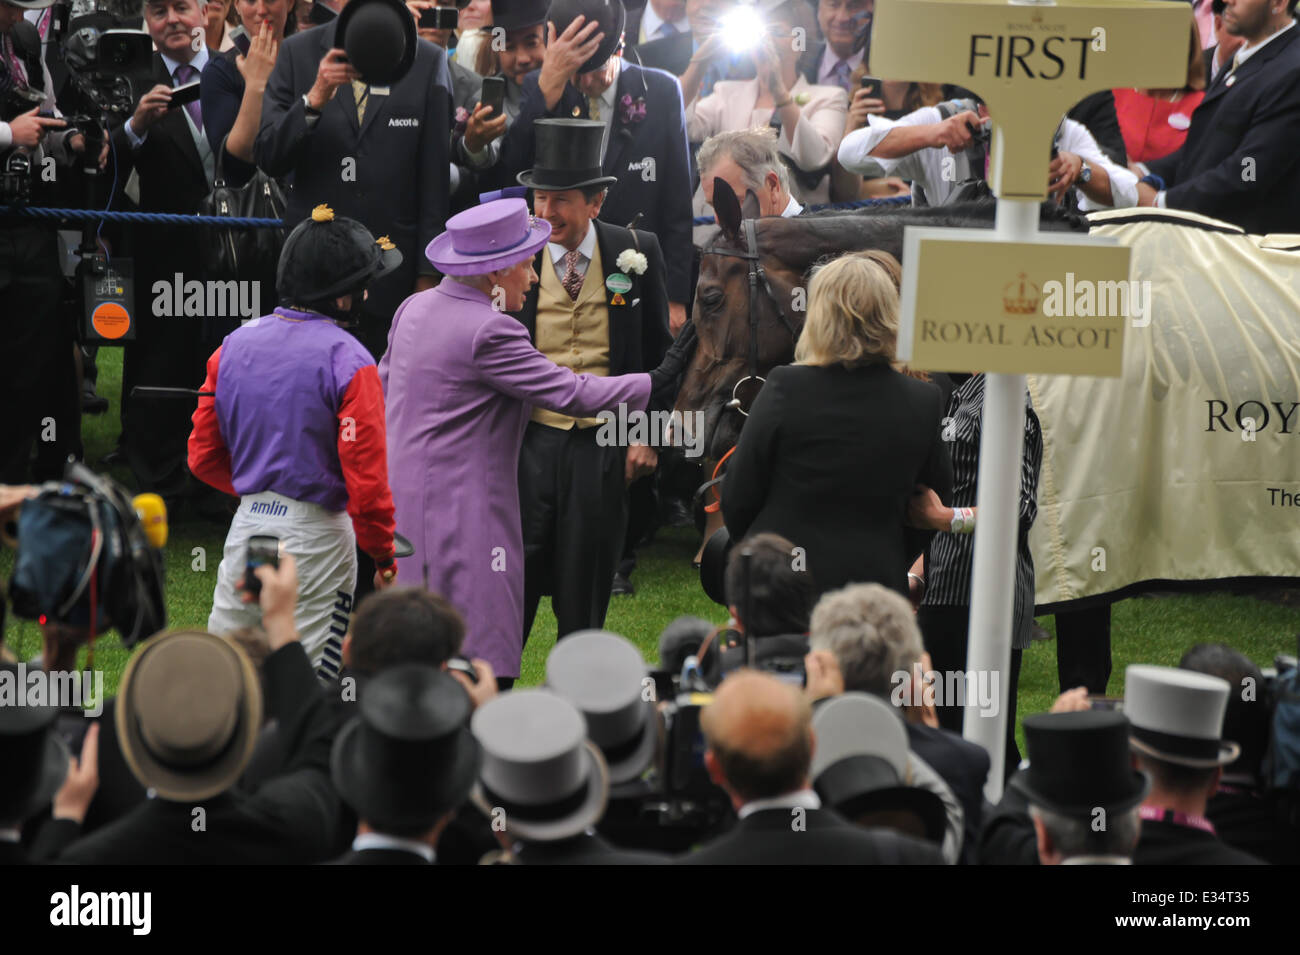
{"points": [[750, 299]]}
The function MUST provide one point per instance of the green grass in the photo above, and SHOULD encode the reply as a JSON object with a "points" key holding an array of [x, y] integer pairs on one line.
{"points": [[1143, 629]]}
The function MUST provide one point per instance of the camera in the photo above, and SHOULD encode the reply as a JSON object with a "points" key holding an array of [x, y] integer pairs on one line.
{"points": [[439, 18]]}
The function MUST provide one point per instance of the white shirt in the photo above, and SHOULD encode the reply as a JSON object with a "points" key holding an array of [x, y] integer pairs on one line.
{"points": [[379, 840], [799, 799], [928, 166], [792, 209], [651, 22], [826, 70], [199, 62], [586, 249]]}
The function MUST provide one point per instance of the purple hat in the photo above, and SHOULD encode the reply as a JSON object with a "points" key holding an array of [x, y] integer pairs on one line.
{"points": [[494, 235]]}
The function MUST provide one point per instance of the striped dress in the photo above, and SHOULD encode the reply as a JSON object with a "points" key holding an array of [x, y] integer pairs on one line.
{"points": [[951, 557]]}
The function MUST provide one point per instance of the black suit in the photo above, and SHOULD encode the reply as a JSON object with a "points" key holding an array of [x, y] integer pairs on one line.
{"points": [[1239, 162], [586, 849], [295, 817], [672, 54], [399, 154], [1166, 843], [963, 765], [651, 159], [768, 837], [167, 351], [829, 458], [572, 498], [1252, 821]]}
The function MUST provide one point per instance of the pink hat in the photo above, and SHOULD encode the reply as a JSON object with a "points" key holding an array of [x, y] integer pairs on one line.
{"points": [[491, 236]]}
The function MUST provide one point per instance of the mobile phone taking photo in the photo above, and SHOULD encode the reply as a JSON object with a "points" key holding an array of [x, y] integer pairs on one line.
{"points": [[243, 42], [263, 551], [494, 94]]}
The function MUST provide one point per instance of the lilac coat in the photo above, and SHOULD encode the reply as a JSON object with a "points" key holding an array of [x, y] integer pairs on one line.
{"points": [[460, 380]]}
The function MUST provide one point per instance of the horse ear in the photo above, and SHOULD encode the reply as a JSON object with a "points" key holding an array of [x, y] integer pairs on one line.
{"points": [[749, 209], [726, 207]]}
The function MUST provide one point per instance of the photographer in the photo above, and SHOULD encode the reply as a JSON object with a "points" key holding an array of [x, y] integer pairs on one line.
{"points": [[38, 373]]}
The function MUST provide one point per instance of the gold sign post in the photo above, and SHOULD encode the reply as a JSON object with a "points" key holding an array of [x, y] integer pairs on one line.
{"points": [[1005, 301]]}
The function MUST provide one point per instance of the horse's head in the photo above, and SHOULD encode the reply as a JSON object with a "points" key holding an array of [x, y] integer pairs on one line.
{"points": [[722, 317]]}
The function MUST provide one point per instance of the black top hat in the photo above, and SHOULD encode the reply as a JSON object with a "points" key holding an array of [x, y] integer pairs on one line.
{"points": [[567, 155], [713, 566], [518, 14], [325, 257], [35, 760], [409, 757], [379, 38], [612, 17], [1078, 762]]}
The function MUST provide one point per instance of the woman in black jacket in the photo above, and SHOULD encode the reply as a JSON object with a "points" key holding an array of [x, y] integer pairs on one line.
{"points": [[836, 443]]}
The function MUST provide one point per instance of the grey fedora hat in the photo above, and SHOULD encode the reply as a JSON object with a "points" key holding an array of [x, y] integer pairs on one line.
{"points": [[538, 766], [1177, 715], [603, 675]]}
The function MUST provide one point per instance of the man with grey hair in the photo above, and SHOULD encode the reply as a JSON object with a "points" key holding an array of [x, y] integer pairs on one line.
{"points": [[748, 161], [864, 638]]}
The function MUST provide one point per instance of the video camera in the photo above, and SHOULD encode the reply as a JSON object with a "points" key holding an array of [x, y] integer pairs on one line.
{"points": [[109, 57], [89, 556]]}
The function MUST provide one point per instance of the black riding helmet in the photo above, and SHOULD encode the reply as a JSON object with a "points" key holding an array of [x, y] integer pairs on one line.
{"points": [[325, 258]]}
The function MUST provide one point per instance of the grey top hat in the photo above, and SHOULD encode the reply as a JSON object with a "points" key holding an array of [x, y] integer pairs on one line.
{"points": [[859, 724], [538, 766], [1177, 715], [602, 674]]}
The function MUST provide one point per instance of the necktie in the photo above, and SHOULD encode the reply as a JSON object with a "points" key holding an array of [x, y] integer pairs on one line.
{"points": [[360, 93], [572, 280], [665, 29], [187, 74], [12, 73], [593, 108], [840, 76]]}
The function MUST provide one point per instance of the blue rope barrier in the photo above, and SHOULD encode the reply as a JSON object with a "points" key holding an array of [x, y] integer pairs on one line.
{"points": [[853, 204], [163, 218]]}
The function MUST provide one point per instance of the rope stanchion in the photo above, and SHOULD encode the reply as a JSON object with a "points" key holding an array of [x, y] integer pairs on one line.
{"points": [[162, 218], [842, 206]]}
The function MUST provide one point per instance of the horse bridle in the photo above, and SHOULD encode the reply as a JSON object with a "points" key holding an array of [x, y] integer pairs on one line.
{"points": [[756, 274]]}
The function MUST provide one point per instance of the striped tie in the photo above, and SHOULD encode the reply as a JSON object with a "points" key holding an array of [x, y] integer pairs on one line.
{"points": [[572, 280]]}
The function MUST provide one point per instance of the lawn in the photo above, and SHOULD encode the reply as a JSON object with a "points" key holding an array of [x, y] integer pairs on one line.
{"points": [[1144, 629]]}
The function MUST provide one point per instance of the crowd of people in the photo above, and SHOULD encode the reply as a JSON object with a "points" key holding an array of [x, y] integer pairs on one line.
{"points": [[492, 242]]}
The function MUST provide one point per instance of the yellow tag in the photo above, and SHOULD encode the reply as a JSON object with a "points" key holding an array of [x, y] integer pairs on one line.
{"points": [[322, 213], [618, 299]]}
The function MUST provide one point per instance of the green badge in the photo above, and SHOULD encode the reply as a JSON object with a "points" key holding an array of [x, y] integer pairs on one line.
{"points": [[618, 283]]}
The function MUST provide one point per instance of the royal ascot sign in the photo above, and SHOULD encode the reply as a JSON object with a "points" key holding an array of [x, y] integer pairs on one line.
{"points": [[1030, 63], [1055, 307]]}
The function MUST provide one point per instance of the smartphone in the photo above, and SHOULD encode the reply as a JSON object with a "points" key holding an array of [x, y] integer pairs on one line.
{"points": [[494, 94], [439, 18], [461, 665], [263, 550], [871, 84], [186, 93], [1106, 702], [239, 36]]}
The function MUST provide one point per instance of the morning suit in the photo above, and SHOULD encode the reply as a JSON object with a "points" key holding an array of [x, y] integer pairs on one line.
{"points": [[1239, 162], [460, 379], [584, 849], [1164, 842], [390, 172], [649, 156], [572, 493], [294, 817], [174, 166], [963, 765], [768, 837], [829, 458]]}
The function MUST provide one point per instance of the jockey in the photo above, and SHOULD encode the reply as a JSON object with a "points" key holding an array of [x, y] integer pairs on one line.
{"points": [[296, 430]]}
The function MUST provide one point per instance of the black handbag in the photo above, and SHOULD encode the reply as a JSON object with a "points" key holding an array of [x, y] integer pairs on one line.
{"points": [[243, 253]]}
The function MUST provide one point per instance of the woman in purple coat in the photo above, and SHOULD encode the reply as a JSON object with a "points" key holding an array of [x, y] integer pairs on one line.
{"points": [[460, 378]]}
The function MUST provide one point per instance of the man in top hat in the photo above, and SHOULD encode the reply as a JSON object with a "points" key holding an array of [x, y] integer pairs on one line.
{"points": [[190, 708], [359, 111], [546, 781], [460, 379], [601, 307], [760, 742], [296, 430], [1082, 790], [643, 144], [862, 769], [405, 764], [1177, 720]]}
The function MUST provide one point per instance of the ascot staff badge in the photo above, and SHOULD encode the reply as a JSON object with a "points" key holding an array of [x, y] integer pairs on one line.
{"points": [[618, 283]]}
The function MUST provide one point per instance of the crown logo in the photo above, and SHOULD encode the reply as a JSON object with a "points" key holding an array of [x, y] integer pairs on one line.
{"points": [[1020, 297]]}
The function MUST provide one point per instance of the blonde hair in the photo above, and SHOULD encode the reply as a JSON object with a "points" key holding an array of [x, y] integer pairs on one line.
{"points": [[852, 315]]}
